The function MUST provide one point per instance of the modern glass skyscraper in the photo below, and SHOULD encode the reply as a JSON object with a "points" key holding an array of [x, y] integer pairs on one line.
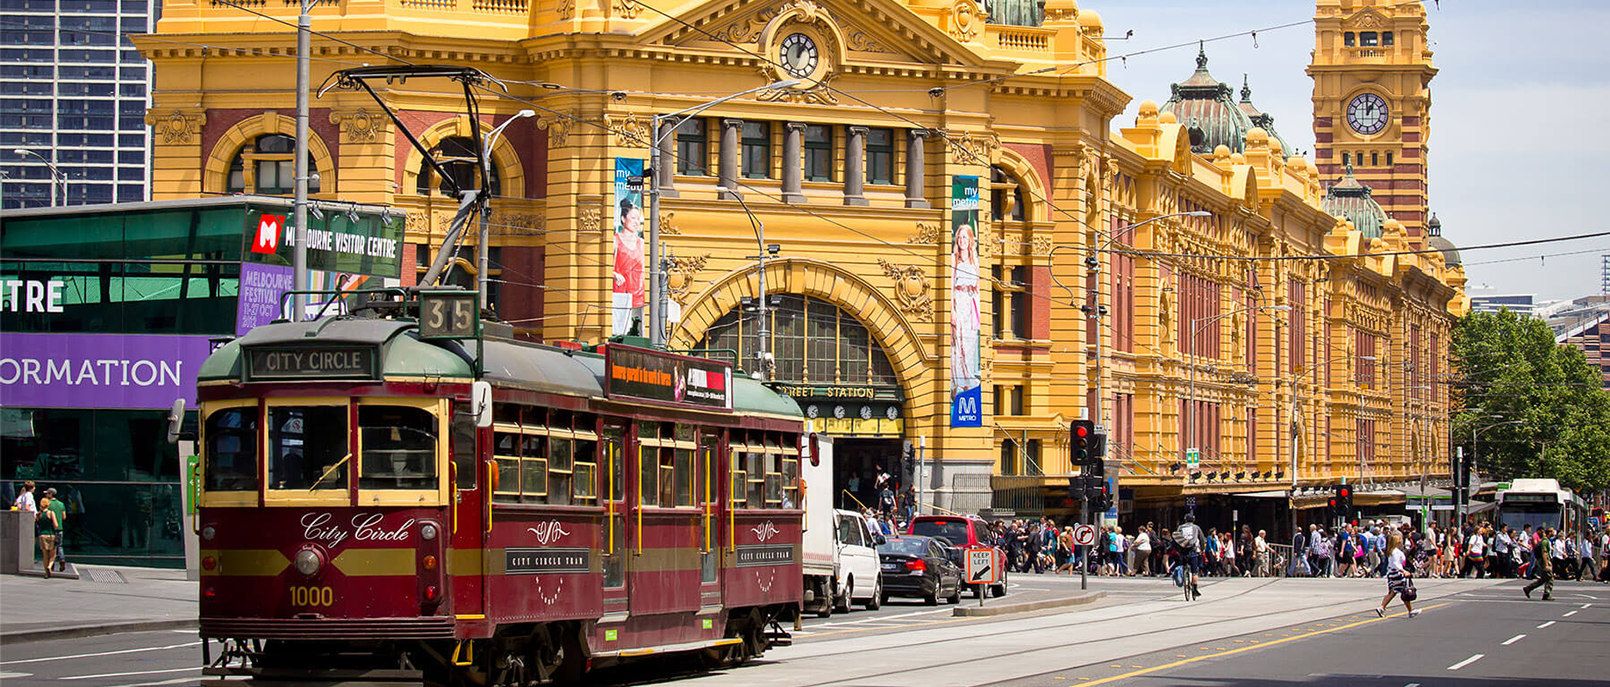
{"points": [[73, 96]]}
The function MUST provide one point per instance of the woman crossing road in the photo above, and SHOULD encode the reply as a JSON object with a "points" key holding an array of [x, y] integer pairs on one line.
{"points": [[1397, 577]]}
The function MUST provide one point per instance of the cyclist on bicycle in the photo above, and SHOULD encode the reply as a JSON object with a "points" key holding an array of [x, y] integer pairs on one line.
{"points": [[1188, 536]]}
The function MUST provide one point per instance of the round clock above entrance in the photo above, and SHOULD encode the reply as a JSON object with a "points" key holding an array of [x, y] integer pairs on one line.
{"points": [[802, 42]]}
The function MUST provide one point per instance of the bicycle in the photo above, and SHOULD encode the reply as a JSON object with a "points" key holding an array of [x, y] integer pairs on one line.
{"points": [[1182, 579]]}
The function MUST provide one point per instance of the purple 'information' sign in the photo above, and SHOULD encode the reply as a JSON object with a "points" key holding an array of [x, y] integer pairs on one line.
{"points": [[261, 287], [99, 370]]}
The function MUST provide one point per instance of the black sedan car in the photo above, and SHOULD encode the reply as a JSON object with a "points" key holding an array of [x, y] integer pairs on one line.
{"points": [[923, 567]]}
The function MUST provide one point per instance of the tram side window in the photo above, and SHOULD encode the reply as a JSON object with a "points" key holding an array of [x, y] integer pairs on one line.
{"points": [[561, 471], [307, 447], [739, 490], [755, 466], [231, 457], [648, 463], [533, 469], [790, 480], [506, 452], [399, 447], [586, 475]]}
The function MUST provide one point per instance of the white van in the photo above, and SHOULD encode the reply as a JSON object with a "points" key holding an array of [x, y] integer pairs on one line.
{"points": [[860, 578]]}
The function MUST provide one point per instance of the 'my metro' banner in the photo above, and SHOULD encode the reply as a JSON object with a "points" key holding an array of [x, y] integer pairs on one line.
{"points": [[966, 392], [99, 370], [627, 295]]}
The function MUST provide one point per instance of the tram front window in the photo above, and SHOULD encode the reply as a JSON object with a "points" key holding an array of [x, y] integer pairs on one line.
{"points": [[231, 457], [307, 447], [399, 448]]}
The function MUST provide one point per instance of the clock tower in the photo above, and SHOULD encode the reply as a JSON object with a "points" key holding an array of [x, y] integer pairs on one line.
{"points": [[1372, 72]]}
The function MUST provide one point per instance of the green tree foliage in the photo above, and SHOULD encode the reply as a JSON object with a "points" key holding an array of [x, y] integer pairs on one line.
{"points": [[1538, 408]]}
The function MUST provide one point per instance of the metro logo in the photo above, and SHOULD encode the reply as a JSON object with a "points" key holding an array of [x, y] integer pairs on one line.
{"points": [[268, 234]]}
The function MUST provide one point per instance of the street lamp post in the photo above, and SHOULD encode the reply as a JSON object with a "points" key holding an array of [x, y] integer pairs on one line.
{"points": [[486, 209], [656, 285], [56, 175], [1196, 329], [763, 338]]}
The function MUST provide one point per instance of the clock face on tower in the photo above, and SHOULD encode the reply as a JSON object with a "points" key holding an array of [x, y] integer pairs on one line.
{"points": [[798, 55], [1367, 114]]}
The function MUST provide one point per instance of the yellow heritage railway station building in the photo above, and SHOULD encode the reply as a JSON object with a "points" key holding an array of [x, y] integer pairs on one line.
{"points": [[1213, 331]]}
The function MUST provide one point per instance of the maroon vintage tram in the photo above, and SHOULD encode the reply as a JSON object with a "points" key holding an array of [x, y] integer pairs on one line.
{"points": [[381, 506]]}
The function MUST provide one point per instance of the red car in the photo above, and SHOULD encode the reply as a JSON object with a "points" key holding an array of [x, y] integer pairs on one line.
{"points": [[963, 531]]}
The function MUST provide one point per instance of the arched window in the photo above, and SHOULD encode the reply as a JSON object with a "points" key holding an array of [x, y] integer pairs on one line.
{"points": [[813, 341], [1006, 195], [267, 166], [457, 155]]}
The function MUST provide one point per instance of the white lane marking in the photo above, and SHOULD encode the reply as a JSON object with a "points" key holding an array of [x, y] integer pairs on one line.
{"points": [[1466, 662], [102, 653], [1412, 684], [192, 669], [14, 676], [190, 631], [1587, 605], [178, 681], [879, 618], [1514, 639], [1545, 625], [1568, 614]]}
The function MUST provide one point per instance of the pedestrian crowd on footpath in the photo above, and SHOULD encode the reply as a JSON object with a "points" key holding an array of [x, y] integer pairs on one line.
{"points": [[1478, 549]]}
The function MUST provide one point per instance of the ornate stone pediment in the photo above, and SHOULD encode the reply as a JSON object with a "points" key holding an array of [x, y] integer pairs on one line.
{"points": [[176, 127], [359, 125], [881, 31]]}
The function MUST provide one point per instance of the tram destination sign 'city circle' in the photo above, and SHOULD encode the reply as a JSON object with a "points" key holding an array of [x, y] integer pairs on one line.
{"points": [[289, 364]]}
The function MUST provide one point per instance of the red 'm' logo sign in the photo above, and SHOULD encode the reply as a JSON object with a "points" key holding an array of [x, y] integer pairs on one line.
{"points": [[268, 234]]}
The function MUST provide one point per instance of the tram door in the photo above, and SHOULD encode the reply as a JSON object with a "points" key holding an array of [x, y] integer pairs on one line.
{"points": [[710, 525], [612, 546], [468, 514]]}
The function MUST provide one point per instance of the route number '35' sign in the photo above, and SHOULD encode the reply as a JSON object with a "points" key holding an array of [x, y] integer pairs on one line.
{"points": [[449, 315], [982, 567]]}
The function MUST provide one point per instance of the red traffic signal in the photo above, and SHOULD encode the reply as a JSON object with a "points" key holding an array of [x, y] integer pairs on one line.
{"points": [[1331, 503], [1344, 492], [1081, 431]]}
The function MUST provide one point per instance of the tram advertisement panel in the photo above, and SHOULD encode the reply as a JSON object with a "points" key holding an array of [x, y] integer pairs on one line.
{"points": [[664, 378], [627, 297], [966, 395]]}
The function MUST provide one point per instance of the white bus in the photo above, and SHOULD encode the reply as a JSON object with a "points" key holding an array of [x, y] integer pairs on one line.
{"points": [[1541, 503]]}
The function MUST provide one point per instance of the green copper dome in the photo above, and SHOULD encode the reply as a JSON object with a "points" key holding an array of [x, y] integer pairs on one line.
{"points": [[1212, 117], [1350, 200]]}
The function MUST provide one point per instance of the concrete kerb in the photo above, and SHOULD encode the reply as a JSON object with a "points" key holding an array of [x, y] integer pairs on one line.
{"points": [[965, 611], [78, 631]]}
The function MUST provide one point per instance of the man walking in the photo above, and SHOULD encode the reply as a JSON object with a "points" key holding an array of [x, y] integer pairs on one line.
{"points": [[1545, 577], [58, 506], [25, 500]]}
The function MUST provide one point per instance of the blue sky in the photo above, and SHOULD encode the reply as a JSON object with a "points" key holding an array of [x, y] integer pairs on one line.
{"points": [[1519, 117]]}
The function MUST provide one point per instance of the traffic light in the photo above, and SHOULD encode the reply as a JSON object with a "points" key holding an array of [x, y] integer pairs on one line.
{"points": [[1083, 437], [1344, 501], [1331, 511], [1098, 445]]}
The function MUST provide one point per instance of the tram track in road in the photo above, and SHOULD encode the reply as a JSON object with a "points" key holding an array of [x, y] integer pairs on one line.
{"points": [[1066, 645]]}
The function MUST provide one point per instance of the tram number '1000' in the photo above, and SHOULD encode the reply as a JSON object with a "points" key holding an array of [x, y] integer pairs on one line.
{"points": [[312, 596]]}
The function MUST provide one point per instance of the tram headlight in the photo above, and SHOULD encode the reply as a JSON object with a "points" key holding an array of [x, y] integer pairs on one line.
{"points": [[208, 533], [427, 532], [308, 562]]}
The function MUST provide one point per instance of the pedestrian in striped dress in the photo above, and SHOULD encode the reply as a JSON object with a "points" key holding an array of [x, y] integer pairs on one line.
{"points": [[1397, 577]]}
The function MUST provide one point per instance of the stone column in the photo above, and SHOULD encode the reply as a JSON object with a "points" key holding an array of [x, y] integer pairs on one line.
{"points": [[731, 129], [855, 166], [793, 162], [668, 161], [916, 168]]}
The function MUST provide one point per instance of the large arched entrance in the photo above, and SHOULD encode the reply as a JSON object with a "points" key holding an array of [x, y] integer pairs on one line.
{"points": [[828, 360]]}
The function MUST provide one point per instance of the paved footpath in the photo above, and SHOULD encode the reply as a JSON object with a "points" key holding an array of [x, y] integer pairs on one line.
{"points": [[103, 600]]}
